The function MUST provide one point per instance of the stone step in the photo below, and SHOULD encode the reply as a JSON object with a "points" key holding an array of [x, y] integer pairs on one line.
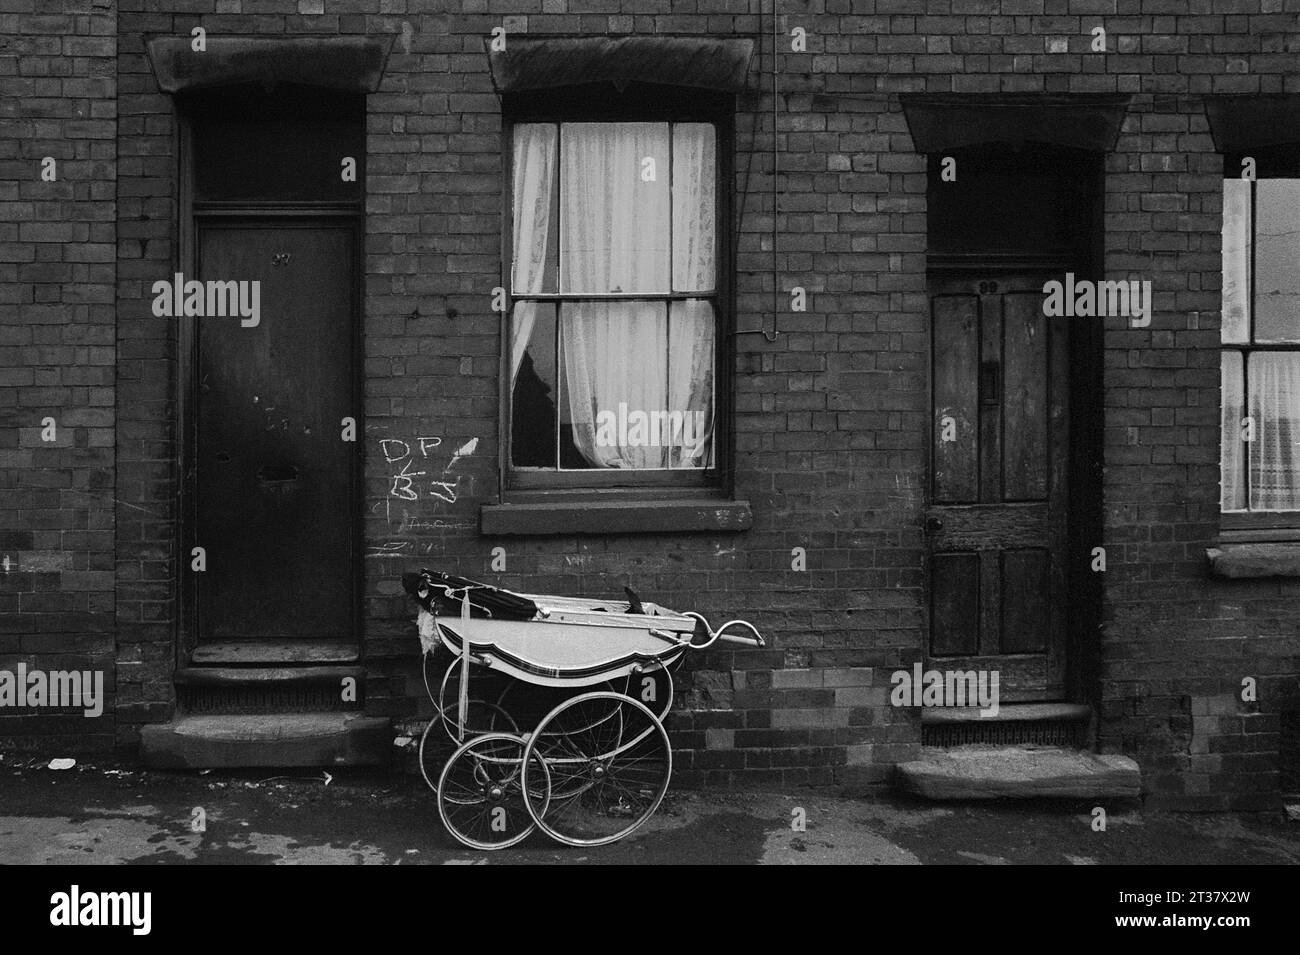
{"points": [[271, 652], [1018, 772], [227, 741]]}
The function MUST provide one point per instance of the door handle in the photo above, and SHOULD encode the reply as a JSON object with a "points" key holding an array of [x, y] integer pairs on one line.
{"points": [[933, 524]]}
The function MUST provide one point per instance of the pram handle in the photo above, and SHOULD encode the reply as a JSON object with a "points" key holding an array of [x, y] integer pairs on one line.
{"points": [[721, 633], [755, 641]]}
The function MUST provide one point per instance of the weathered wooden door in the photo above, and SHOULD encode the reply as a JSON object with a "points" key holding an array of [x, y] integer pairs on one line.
{"points": [[276, 496], [997, 522]]}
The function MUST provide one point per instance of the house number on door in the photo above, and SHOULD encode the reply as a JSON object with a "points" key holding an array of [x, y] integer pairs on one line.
{"points": [[280, 258]]}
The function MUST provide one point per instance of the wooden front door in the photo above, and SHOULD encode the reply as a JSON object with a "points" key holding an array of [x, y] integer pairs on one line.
{"points": [[275, 486], [997, 523]]}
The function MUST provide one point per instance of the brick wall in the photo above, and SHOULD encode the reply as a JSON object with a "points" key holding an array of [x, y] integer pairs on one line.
{"points": [[148, 570], [57, 239], [1178, 644], [830, 420]]}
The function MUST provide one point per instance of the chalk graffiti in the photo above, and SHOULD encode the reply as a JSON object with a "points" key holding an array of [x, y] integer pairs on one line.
{"points": [[411, 485], [388, 548], [401, 548], [404, 484]]}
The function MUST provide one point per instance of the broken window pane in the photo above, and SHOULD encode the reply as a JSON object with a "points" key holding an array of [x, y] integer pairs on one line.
{"points": [[533, 393]]}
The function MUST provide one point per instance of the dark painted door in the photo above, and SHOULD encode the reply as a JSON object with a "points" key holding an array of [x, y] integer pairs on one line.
{"points": [[275, 487], [997, 522]]}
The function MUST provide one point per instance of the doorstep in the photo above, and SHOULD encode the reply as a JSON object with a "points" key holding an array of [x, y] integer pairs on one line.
{"points": [[271, 652], [1018, 772], [234, 740]]}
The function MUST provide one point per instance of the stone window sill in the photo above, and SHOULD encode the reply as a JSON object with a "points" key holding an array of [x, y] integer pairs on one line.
{"points": [[614, 517], [1265, 559]]}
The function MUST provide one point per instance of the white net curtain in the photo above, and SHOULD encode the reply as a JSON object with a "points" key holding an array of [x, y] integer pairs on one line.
{"points": [[623, 209], [1261, 385]]}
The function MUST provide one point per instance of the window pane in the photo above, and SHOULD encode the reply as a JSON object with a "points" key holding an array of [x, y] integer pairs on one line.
{"points": [[1236, 258], [694, 213], [1232, 496], [532, 391], [1274, 379], [1277, 260], [614, 358], [536, 259], [279, 145], [690, 384], [614, 198]]}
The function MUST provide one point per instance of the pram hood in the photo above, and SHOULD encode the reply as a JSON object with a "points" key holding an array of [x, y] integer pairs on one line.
{"points": [[441, 594]]}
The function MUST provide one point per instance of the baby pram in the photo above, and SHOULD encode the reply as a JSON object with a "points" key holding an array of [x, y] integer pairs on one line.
{"points": [[596, 765]]}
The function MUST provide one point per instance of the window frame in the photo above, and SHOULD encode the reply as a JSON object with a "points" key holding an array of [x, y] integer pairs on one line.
{"points": [[637, 103], [1273, 162]]}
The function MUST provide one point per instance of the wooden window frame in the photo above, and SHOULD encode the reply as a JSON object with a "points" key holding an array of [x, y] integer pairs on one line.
{"points": [[1274, 162], [637, 103]]}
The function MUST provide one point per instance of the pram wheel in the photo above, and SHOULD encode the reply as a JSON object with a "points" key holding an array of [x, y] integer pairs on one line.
{"points": [[606, 761], [483, 717], [480, 792], [435, 745]]}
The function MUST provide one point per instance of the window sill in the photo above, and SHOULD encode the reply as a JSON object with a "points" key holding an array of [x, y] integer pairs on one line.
{"points": [[1247, 560], [614, 517]]}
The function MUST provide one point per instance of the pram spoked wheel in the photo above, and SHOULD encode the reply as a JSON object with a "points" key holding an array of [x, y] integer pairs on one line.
{"points": [[442, 733], [435, 745], [481, 792], [604, 762], [482, 717]]}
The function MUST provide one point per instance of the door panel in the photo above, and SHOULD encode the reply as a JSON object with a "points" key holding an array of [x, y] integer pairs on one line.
{"points": [[1024, 358], [275, 489], [956, 397], [954, 604], [1025, 617], [997, 528]]}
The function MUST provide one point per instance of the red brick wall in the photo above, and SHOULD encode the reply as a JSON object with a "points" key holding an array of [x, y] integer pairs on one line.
{"points": [[830, 420], [57, 273]]}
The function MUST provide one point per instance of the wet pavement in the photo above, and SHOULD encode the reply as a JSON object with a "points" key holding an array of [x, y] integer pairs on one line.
{"points": [[106, 813]]}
